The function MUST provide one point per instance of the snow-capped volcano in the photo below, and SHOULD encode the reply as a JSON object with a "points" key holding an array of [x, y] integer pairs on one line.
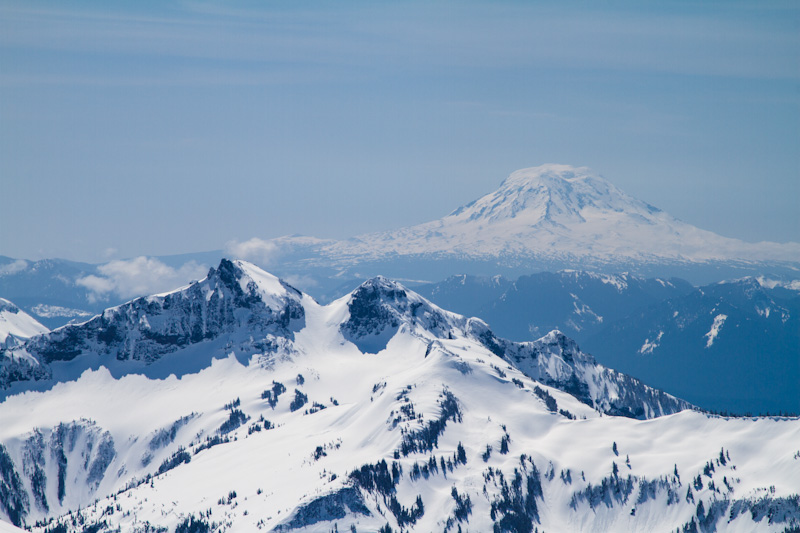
{"points": [[377, 412], [556, 195], [558, 213]]}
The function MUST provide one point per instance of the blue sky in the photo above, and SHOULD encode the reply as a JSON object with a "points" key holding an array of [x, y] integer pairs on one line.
{"points": [[133, 128]]}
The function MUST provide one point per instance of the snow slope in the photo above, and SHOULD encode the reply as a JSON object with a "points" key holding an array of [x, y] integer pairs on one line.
{"points": [[377, 411], [16, 325]]}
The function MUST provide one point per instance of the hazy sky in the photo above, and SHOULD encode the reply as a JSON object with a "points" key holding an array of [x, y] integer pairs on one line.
{"points": [[131, 128]]}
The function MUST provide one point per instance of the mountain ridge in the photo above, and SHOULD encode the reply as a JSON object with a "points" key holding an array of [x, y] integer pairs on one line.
{"points": [[433, 423], [238, 307]]}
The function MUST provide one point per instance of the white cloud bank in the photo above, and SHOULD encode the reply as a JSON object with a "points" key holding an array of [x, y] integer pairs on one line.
{"points": [[255, 250], [12, 268], [139, 277]]}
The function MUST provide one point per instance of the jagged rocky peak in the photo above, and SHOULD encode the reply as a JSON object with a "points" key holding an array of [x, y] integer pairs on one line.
{"points": [[457, 437], [206, 308], [381, 298], [380, 287], [238, 306], [380, 306], [556, 343], [6, 305], [556, 360], [251, 284]]}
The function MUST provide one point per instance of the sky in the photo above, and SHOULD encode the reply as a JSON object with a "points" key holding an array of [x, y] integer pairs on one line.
{"points": [[154, 128]]}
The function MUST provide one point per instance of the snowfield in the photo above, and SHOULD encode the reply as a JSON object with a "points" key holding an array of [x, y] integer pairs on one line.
{"points": [[16, 325], [378, 412], [719, 320]]}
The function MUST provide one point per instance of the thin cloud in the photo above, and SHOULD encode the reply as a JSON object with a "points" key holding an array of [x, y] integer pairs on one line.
{"points": [[255, 250], [138, 277], [716, 43], [12, 268]]}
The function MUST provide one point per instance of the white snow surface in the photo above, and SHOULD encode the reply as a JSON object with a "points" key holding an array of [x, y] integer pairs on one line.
{"points": [[372, 403], [650, 345], [716, 327], [14, 322], [5, 527]]}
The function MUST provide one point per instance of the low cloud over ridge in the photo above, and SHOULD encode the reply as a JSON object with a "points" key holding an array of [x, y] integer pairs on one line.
{"points": [[139, 277], [255, 250]]}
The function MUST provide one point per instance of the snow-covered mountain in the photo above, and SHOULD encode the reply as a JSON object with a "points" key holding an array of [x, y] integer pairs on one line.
{"points": [[379, 411], [559, 213], [238, 308], [16, 325]]}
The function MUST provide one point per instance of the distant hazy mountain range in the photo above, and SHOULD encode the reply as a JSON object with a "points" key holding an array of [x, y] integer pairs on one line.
{"points": [[238, 403]]}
